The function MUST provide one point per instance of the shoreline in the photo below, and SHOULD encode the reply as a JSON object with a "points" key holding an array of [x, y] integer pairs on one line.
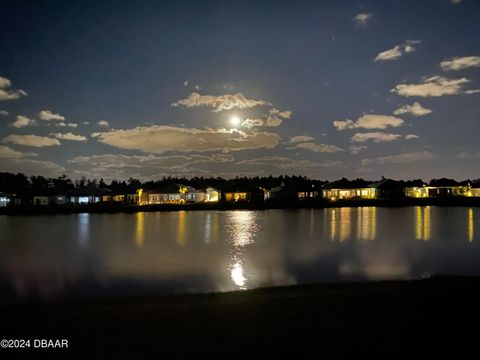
{"points": [[293, 319], [306, 204]]}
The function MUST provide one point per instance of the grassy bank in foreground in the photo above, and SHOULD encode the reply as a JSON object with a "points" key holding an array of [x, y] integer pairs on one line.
{"points": [[306, 204], [436, 314]]}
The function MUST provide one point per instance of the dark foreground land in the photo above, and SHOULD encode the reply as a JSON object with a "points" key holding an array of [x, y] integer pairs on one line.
{"points": [[435, 316]]}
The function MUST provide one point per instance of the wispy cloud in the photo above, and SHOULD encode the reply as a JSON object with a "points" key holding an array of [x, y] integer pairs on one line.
{"points": [[64, 124], [362, 20], [157, 139], [412, 137], [148, 162], [6, 93], [397, 51], [103, 123], [301, 138], [8, 153], [31, 167], [69, 136], [219, 103], [274, 118], [31, 140], [399, 159], [318, 148], [434, 86], [3, 113], [460, 63], [369, 121], [287, 163], [377, 137], [416, 109], [356, 149]]}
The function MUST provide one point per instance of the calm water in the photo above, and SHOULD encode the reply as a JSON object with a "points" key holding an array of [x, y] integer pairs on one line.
{"points": [[44, 258]]}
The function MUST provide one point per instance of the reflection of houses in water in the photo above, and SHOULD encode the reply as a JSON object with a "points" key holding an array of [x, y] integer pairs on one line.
{"points": [[366, 223], [341, 222], [471, 225], [139, 229], [422, 222]]}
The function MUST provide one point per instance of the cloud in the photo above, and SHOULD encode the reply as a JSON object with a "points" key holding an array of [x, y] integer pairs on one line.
{"points": [[3, 113], [32, 167], [158, 139], [467, 155], [148, 161], [397, 51], [362, 20], [369, 121], [219, 103], [399, 159], [47, 115], [119, 166], [375, 137], [274, 118], [103, 123], [356, 149], [30, 140], [62, 124], [23, 121], [433, 87], [318, 148], [408, 46], [249, 123], [287, 163], [416, 110], [301, 138], [6, 94], [460, 63], [69, 136], [412, 137], [8, 153], [455, 2], [391, 54]]}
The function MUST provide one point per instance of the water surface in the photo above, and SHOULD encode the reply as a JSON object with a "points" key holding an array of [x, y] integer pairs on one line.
{"points": [[51, 257]]}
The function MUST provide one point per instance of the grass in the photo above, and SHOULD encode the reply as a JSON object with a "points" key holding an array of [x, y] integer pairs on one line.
{"points": [[340, 318]]}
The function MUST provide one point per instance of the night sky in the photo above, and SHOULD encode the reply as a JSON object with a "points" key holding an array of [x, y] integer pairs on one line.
{"points": [[325, 89]]}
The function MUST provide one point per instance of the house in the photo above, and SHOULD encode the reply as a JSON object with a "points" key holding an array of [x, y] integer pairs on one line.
{"points": [[388, 188], [48, 197], [169, 194], [212, 195], [440, 188], [5, 199], [344, 189], [91, 195], [307, 193], [242, 193], [475, 189]]}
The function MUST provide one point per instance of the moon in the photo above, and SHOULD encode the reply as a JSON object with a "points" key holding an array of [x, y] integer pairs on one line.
{"points": [[235, 121]]}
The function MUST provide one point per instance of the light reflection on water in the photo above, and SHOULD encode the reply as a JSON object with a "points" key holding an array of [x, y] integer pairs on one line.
{"points": [[242, 228], [43, 257]]}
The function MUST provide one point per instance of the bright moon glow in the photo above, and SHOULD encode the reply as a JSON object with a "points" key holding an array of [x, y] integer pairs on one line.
{"points": [[235, 120]]}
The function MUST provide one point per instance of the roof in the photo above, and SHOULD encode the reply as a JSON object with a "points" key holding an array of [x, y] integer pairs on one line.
{"points": [[167, 189], [90, 192], [347, 184], [241, 188]]}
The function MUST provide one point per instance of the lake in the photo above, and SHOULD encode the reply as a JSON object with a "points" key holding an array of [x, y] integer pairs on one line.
{"points": [[54, 257]]}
